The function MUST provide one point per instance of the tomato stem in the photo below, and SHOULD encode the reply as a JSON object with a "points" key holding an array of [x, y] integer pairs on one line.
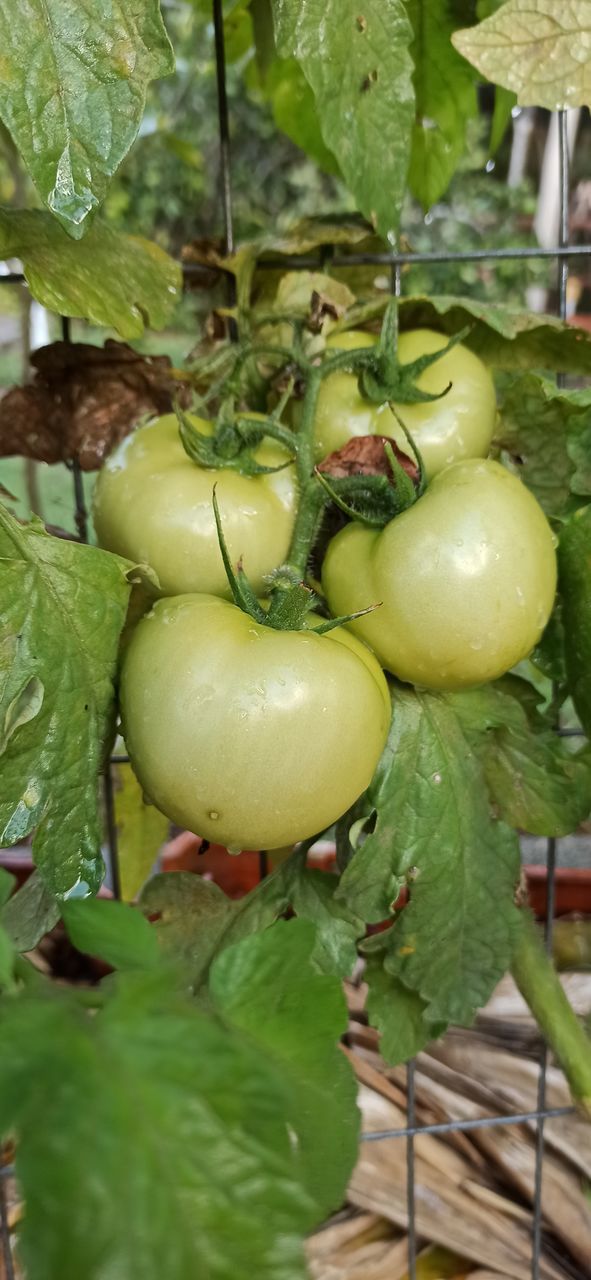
{"points": [[311, 495], [540, 986]]}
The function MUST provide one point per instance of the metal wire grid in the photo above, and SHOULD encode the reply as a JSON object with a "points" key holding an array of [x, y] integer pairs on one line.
{"points": [[560, 253]]}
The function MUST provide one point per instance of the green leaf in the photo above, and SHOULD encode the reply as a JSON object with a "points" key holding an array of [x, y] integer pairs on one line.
{"points": [[445, 100], [358, 64], [268, 987], [29, 914], [502, 336], [191, 915], [548, 431], [119, 934], [312, 898], [195, 919], [574, 562], [73, 91], [123, 282], [294, 111], [536, 48], [6, 960], [7, 883], [64, 607], [398, 1013], [154, 1143], [434, 829], [536, 781], [141, 832]]}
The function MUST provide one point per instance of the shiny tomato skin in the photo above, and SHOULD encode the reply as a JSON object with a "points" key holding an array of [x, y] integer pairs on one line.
{"points": [[252, 738], [459, 425], [153, 505], [466, 579]]}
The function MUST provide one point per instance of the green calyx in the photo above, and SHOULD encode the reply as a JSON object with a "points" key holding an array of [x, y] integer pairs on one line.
{"points": [[375, 500], [233, 444], [384, 379]]}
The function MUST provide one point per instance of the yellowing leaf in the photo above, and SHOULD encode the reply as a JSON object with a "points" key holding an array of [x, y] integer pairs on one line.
{"points": [[124, 282], [540, 49], [141, 832]]}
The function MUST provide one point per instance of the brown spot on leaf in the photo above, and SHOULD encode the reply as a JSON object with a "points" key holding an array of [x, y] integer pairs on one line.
{"points": [[361, 23], [83, 400], [369, 80], [320, 308], [366, 456]]}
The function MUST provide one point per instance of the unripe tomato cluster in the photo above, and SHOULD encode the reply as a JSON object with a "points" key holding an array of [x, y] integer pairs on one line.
{"points": [[256, 737]]}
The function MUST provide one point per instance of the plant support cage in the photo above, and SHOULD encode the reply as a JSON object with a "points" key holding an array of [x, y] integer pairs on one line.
{"points": [[561, 254]]}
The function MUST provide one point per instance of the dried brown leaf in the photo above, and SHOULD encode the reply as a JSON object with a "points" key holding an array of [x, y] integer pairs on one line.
{"points": [[366, 456], [83, 400]]}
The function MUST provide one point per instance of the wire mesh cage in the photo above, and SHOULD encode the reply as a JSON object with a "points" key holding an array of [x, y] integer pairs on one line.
{"points": [[561, 254]]}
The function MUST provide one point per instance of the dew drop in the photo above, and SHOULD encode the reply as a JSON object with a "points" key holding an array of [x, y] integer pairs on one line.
{"points": [[213, 814], [436, 778]]}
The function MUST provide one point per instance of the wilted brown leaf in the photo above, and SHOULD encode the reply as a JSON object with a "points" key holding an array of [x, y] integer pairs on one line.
{"points": [[83, 400], [366, 456], [205, 254]]}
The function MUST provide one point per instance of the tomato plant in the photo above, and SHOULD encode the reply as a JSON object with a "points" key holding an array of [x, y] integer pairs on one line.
{"points": [[271, 735], [466, 578], [459, 425], [152, 504], [263, 718]]}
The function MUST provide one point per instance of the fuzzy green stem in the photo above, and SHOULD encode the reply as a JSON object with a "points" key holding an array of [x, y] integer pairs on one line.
{"points": [[540, 986], [311, 496]]}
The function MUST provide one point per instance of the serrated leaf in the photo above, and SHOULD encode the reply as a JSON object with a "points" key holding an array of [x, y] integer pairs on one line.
{"points": [[548, 432], [29, 914], [268, 987], [445, 100], [395, 1011], [73, 91], [195, 919], [191, 917], [112, 279], [434, 829], [537, 48], [537, 783], [502, 336], [117, 933], [64, 606], [358, 63], [141, 832], [337, 929], [574, 564], [164, 1147]]}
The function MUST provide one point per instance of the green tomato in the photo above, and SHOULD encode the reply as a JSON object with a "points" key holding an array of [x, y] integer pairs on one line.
{"points": [[460, 425], [466, 579], [252, 738], [153, 505]]}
